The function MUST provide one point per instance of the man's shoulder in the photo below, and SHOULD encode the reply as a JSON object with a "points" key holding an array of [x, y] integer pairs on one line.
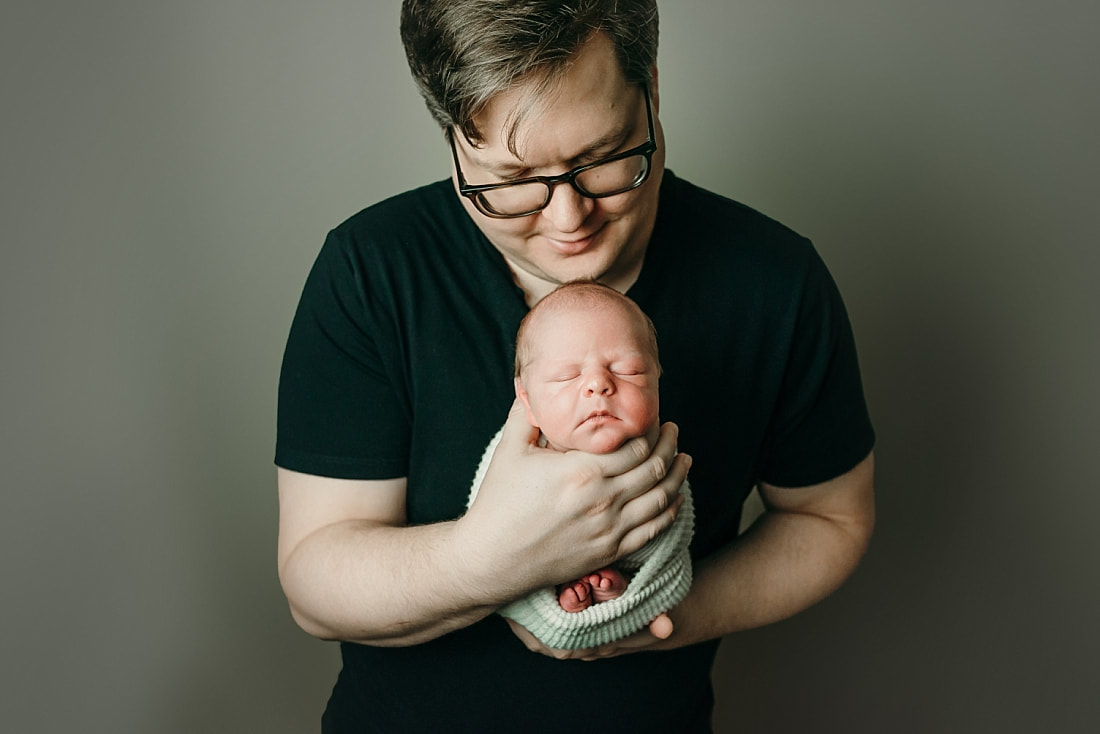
{"points": [[707, 212], [726, 238], [401, 211], [408, 231]]}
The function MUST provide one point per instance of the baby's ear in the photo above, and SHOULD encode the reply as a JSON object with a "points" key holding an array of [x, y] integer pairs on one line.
{"points": [[522, 395]]}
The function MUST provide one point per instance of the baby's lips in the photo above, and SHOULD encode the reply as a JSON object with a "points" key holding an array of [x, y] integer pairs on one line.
{"points": [[599, 414]]}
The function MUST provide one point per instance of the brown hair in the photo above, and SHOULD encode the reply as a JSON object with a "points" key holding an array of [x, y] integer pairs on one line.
{"points": [[462, 53]]}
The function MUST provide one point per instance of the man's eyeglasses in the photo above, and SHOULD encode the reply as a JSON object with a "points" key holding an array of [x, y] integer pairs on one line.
{"points": [[523, 197]]}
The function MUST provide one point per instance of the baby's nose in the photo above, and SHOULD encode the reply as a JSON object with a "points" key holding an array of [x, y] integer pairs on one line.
{"points": [[600, 383]]}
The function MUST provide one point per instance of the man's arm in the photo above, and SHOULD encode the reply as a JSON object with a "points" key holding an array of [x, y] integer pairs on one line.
{"points": [[808, 541], [353, 570], [806, 544]]}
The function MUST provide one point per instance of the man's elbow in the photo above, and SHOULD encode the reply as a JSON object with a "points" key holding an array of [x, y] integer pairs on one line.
{"points": [[858, 528], [311, 626], [299, 595], [394, 634], [857, 514]]}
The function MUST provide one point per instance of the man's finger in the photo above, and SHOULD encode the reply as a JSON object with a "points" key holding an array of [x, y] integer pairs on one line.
{"points": [[656, 499], [639, 464], [647, 531], [661, 627]]}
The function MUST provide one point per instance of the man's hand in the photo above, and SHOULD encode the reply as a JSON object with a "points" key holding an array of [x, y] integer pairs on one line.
{"points": [[542, 517], [806, 544], [659, 630]]}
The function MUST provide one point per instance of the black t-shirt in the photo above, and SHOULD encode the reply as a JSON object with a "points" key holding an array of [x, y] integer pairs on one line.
{"points": [[399, 363]]}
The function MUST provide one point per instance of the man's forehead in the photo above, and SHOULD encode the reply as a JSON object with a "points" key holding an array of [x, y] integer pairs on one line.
{"points": [[586, 101], [549, 137]]}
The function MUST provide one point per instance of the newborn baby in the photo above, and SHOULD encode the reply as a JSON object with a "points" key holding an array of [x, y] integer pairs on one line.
{"points": [[586, 372]]}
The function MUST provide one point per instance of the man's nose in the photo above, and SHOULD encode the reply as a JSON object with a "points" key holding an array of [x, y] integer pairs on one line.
{"points": [[568, 208]]}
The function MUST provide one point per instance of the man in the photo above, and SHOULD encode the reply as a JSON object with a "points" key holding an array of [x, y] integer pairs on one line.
{"points": [[398, 370]]}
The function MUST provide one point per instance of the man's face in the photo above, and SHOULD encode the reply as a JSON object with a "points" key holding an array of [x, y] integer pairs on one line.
{"points": [[593, 113], [591, 379]]}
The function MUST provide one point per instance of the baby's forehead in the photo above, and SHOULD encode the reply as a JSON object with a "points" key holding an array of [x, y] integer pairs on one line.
{"points": [[609, 312], [580, 307], [631, 329], [575, 308]]}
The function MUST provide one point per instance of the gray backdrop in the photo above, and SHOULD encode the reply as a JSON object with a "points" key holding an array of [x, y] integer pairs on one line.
{"points": [[169, 171]]}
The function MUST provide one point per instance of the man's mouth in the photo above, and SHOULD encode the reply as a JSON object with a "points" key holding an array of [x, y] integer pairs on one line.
{"points": [[573, 246]]}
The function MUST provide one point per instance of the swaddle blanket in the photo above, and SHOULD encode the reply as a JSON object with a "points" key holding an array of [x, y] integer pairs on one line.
{"points": [[659, 577]]}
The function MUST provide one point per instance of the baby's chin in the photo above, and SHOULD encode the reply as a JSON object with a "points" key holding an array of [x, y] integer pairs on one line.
{"points": [[603, 441]]}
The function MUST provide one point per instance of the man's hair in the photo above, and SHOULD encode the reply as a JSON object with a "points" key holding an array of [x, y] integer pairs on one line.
{"points": [[462, 53], [583, 294]]}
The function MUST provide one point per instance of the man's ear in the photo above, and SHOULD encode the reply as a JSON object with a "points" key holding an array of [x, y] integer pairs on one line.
{"points": [[522, 395]]}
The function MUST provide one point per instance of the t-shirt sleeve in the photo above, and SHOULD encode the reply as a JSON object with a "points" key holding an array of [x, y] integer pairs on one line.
{"points": [[821, 427], [343, 410]]}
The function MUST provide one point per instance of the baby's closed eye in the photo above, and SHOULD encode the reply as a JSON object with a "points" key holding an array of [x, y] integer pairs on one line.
{"points": [[628, 369]]}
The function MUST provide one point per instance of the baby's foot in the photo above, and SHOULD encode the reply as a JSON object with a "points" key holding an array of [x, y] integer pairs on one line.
{"points": [[607, 584], [575, 596]]}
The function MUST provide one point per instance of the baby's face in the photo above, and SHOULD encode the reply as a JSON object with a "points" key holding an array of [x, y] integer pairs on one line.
{"points": [[591, 381]]}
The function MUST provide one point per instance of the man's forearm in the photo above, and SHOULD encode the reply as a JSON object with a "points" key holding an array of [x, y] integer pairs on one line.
{"points": [[784, 564], [795, 555], [352, 569], [383, 585]]}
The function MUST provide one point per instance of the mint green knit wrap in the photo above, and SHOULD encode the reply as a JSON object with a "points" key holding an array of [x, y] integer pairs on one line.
{"points": [[660, 575]]}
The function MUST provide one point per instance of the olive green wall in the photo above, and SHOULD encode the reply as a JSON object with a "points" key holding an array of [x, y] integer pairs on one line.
{"points": [[169, 171]]}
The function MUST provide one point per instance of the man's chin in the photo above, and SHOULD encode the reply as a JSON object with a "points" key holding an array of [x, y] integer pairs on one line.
{"points": [[587, 266]]}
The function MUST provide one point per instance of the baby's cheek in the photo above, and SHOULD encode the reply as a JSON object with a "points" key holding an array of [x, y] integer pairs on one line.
{"points": [[605, 442], [643, 415], [652, 403]]}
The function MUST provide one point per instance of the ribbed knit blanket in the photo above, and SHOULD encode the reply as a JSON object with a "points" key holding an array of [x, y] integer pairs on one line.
{"points": [[659, 577]]}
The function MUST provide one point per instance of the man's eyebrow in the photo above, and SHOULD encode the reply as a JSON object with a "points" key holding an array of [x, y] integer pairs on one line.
{"points": [[591, 152], [611, 140]]}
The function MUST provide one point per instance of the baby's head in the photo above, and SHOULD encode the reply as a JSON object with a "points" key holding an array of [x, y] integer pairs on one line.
{"points": [[587, 369]]}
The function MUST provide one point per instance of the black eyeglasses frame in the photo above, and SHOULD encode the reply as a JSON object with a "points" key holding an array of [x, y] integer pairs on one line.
{"points": [[473, 192]]}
